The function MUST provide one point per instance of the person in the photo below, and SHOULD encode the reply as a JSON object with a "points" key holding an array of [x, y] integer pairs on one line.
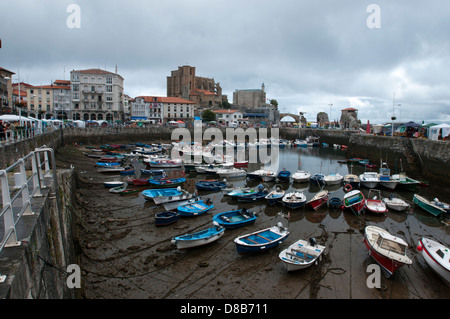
{"points": [[2, 131]]}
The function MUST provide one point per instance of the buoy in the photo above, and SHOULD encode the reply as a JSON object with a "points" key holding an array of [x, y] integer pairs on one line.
{"points": [[348, 188], [419, 247]]}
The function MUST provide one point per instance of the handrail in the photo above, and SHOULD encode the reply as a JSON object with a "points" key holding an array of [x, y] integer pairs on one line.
{"points": [[16, 199]]}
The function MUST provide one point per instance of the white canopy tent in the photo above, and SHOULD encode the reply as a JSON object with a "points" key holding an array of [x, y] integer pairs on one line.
{"points": [[444, 129]]}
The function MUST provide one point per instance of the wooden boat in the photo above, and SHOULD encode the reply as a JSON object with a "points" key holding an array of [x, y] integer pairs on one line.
{"points": [[374, 202], [396, 204], [355, 201], [369, 179], [166, 218], [385, 177], [130, 191], [105, 164], [301, 176], [118, 189], [261, 240], [437, 257], [166, 199], [162, 183], [255, 174], [255, 197], [333, 179], [302, 254], [127, 171], [294, 200], [200, 238], [388, 251], [352, 180], [275, 196], [334, 203], [235, 218], [318, 200], [284, 176], [210, 185], [195, 209], [112, 184], [165, 163], [173, 206], [110, 169], [427, 205], [317, 180]]}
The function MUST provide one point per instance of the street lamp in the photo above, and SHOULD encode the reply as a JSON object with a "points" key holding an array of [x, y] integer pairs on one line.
{"points": [[329, 120]]}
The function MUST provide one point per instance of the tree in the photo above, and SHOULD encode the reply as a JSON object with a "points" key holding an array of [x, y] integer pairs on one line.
{"points": [[274, 102], [208, 116], [225, 105]]}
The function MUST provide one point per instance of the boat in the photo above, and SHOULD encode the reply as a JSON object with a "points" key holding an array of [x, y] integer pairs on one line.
{"points": [[388, 251], [385, 177], [312, 141], [165, 163], [284, 176], [231, 172], [275, 196], [255, 174], [294, 200], [150, 194], [355, 201], [210, 185], [196, 208], [318, 200], [112, 184], [351, 179], [437, 257], [334, 203], [110, 169], [166, 199], [268, 176], [261, 240], [302, 254], [127, 171], [199, 238], [443, 205], [173, 206], [333, 179], [166, 218], [255, 197], [301, 176], [235, 218], [240, 164], [395, 203], [405, 182], [428, 205], [162, 183], [374, 202], [369, 179], [129, 191], [317, 179], [242, 191], [107, 164], [118, 189], [153, 172], [138, 181]]}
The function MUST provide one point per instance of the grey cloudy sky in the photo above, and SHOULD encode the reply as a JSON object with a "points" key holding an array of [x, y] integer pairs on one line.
{"points": [[309, 53]]}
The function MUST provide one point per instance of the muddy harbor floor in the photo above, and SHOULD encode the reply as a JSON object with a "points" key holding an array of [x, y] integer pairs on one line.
{"points": [[124, 255]]}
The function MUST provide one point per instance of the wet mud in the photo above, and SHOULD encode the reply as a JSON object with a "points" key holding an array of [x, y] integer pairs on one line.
{"points": [[124, 255]]}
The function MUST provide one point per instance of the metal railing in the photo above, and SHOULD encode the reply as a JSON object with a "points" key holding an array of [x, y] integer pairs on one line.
{"points": [[19, 187]]}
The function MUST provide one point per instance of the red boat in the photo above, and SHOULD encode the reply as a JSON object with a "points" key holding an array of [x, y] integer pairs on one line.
{"points": [[355, 201], [138, 181], [387, 250], [318, 200], [241, 164]]}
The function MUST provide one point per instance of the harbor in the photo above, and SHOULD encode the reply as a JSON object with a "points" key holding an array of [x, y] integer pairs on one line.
{"points": [[124, 254]]}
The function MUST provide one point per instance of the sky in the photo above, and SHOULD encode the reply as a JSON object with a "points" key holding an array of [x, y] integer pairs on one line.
{"points": [[383, 58]]}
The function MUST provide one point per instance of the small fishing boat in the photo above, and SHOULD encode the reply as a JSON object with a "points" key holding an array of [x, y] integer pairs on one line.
{"points": [[240, 164], [138, 181], [437, 257], [253, 197], [231, 172], [200, 238], [210, 185], [294, 200], [428, 205], [110, 169], [443, 205], [196, 208], [334, 203], [284, 176], [301, 176], [166, 199], [235, 218], [388, 251], [165, 163], [369, 179], [107, 164], [127, 171], [166, 218], [385, 177], [268, 176], [333, 179], [153, 193], [405, 182], [355, 201], [173, 206], [374, 202], [162, 183], [261, 240], [318, 200], [112, 184], [118, 189], [153, 172], [317, 180], [242, 191], [255, 174], [351, 179], [302, 254], [275, 196], [396, 204]]}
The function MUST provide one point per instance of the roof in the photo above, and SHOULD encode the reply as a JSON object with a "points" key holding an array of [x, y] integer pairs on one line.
{"points": [[163, 99], [349, 109], [51, 86], [5, 70], [225, 111], [95, 71]]}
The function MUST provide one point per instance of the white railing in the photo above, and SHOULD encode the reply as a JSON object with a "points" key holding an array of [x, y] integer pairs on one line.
{"points": [[19, 187]]}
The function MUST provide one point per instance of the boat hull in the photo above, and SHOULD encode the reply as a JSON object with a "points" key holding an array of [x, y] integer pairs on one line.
{"points": [[260, 241], [437, 263], [198, 239], [427, 205], [234, 219], [166, 218], [301, 255]]}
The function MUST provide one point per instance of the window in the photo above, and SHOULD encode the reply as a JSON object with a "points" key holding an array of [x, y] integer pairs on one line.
{"points": [[109, 88], [109, 80], [75, 87], [92, 88]]}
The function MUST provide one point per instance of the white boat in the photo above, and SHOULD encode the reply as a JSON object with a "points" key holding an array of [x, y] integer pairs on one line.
{"points": [[231, 172], [385, 177], [369, 179], [351, 179], [333, 179], [301, 176], [395, 203], [255, 174], [374, 202], [437, 257], [199, 238], [268, 176], [166, 199], [302, 254], [110, 169], [294, 200]]}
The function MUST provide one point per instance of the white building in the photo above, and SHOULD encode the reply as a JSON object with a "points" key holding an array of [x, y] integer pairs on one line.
{"points": [[227, 117], [159, 109], [96, 95]]}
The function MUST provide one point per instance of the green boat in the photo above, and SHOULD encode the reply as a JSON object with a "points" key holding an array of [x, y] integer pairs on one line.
{"points": [[428, 205], [406, 182]]}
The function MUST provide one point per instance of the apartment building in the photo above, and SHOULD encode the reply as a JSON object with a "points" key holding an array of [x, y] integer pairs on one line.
{"points": [[159, 109]]}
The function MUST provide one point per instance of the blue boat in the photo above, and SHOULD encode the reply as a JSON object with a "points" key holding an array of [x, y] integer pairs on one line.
{"points": [[152, 193], [261, 240], [166, 182], [252, 197], [107, 164], [275, 196], [334, 203], [235, 218], [317, 180], [153, 172], [127, 171], [210, 185], [196, 208], [166, 218], [199, 238], [284, 176]]}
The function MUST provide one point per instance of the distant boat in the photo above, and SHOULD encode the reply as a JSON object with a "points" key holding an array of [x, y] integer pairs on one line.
{"points": [[152, 193], [199, 238], [302, 254], [318, 200], [210, 185], [112, 184], [162, 183], [235, 218], [352, 180], [166, 163], [268, 176], [252, 197], [110, 169], [231, 172], [261, 240], [428, 205]]}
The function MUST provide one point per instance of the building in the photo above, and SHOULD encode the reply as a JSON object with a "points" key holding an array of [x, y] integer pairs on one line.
{"points": [[349, 118], [250, 99], [204, 92], [6, 90], [158, 109], [148, 108], [96, 95], [227, 117], [49, 101]]}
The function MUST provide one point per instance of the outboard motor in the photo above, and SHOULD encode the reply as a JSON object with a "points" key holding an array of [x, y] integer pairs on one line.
{"points": [[312, 241]]}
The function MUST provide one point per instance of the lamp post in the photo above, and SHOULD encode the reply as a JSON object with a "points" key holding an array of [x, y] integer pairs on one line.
{"points": [[329, 120]]}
